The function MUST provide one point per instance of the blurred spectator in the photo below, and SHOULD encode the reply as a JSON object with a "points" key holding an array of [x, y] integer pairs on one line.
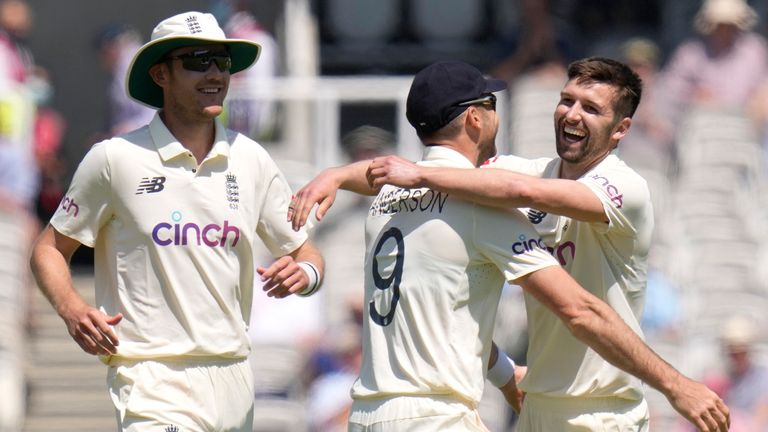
{"points": [[649, 143], [48, 134], [538, 43], [16, 106], [723, 67], [116, 44], [17, 189], [250, 116], [328, 399], [744, 386], [661, 315], [15, 24], [367, 142]]}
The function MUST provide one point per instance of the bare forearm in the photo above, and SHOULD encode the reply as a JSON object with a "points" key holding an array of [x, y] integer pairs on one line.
{"points": [[489, 187], [308, 252], [594, 322], [51, 272], [597, 325], [605, 332], [352, 177], [506, 189]]}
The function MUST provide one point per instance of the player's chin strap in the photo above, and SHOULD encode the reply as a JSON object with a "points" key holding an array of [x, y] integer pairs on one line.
{"points": [[314, 278], [502, 371]]}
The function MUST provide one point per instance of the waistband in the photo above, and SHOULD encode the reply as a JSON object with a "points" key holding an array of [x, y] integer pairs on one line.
{"points": [[582, 404], [369, 411], [186, 361]]}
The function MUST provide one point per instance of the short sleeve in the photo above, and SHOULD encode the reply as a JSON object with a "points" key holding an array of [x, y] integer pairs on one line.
{"points": [[510, 242], [531, 167], [87, 206], [273, 227], [625, 197]]}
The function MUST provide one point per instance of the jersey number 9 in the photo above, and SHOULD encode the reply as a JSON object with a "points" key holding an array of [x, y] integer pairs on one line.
{"points": [[393, 281]]}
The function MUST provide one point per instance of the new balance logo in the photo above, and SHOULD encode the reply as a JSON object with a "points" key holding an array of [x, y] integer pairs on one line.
{"points": [[536, 216], [151, 185]]}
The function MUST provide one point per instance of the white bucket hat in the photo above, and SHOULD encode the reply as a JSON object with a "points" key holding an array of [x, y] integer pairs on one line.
{"points": [[186, 29], [738, 333], [714, 12]]}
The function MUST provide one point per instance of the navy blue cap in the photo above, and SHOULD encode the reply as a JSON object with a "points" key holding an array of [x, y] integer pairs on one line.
{"points": [[437, 90]]}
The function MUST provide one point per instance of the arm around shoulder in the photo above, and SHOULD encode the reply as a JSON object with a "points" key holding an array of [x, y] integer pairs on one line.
{"points": [[322, 189], [502, 188]]}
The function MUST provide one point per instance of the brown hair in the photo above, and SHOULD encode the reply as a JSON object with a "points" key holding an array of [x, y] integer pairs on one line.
{"points": [[628, 84]]}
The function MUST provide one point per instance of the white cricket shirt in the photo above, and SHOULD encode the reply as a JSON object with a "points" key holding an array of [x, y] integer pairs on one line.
{"points": [[434, 271], [609, 260], [173, 240]]}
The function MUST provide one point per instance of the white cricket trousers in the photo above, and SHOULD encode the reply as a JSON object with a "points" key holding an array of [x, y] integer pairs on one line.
{"points": [[547, 414], [411, 413], [182, 395]]}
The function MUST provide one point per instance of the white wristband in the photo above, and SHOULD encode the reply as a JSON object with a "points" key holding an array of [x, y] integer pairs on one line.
{"points": [[314, 278], [502, 371]]}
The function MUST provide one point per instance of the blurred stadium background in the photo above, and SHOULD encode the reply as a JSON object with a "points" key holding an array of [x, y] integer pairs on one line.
{"points": [[344, 64]]}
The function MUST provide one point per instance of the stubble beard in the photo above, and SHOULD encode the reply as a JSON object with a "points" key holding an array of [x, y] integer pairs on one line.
{"points": [[571, 154]]}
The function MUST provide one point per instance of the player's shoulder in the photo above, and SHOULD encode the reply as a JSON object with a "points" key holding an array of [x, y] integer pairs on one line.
{"points": [[251, 158], [242, 145], [617, 181], [615, 168], [534, 167], [123, 144]]}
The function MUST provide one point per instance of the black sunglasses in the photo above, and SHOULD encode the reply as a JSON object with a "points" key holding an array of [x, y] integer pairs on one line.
{"points": [[488, 101], [200, 61]]}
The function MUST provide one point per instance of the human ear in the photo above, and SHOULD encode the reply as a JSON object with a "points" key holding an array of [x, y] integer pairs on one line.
{"points": [[621, 128], [159, 74]]}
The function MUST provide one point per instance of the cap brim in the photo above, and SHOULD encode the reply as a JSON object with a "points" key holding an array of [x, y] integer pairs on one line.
{"points": [[494, 85], [139, 85]]}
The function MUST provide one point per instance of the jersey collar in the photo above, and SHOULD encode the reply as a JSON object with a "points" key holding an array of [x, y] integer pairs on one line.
{"points": [[169, 147], [450, 156]]}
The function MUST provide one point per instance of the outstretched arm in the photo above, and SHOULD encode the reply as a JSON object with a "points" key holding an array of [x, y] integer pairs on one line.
{"points": [[322, 191], [88, 326], [596, 324], [492, 187]]}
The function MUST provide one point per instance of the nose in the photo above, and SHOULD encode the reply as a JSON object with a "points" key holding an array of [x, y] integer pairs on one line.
{"points": [[214, 71], [573, 114]]}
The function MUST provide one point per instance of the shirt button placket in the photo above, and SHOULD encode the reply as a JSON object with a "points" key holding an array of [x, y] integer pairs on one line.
{"points": [[194, 170]]}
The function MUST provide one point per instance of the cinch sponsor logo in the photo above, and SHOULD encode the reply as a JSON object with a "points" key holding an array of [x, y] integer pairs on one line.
{"points": [[527, 245], [182, 234], [616, 196], [564, 253], [69, 206]]}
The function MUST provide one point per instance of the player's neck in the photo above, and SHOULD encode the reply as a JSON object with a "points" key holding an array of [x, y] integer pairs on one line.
{"points": [[575, 170], [467, 148], [197, 137]]}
